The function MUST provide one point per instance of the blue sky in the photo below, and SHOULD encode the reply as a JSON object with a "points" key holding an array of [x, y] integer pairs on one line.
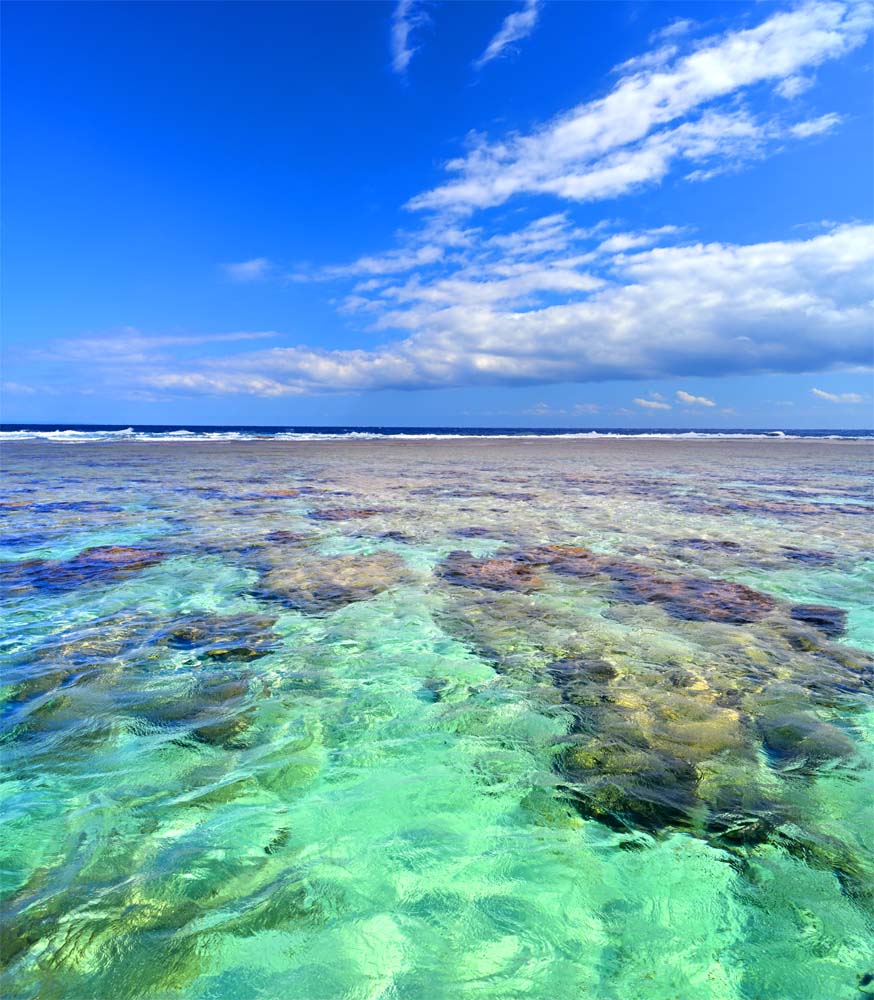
{"points": [[496, 214]]}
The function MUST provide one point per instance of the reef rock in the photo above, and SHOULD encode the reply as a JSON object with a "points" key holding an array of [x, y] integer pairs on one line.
{"points": [[317, 585], [803, 741], [343, 513], [224, 637], [626, 786], [691, 598], [830, 621], [101, 564], [464, 570]]}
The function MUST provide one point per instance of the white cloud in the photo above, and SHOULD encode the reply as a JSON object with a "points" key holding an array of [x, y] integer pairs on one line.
{"points": [[581, 408], [543, 410], [501, 312], [133, 347], [705, 309], [616, 143], [248, 270], [676, 28], [815, 126], [652, 404], [220, 385], [792, 86], [837, 397], [427, 246], [391, 262], [407, 17], [516, 26], [690, 400], [620, 242]]}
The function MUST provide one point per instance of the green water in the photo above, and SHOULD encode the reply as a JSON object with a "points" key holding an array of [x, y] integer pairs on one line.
{"points": [[283, 756]]}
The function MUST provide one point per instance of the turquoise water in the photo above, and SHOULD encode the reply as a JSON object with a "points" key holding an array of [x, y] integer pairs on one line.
{"points": [[446, 720]]}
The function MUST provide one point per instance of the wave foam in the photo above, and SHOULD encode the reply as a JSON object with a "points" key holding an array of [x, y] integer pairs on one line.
{"points": [[130, 434]]}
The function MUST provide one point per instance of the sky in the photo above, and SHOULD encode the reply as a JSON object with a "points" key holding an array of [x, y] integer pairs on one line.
{"points": [[539, 214]]}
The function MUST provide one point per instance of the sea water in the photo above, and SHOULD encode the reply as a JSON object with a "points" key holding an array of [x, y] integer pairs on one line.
{"points": [[412, 719]]}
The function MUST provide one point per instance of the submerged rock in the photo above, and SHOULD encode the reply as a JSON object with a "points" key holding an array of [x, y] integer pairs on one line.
{"points": [[464, 570], [343, 513], [742, 816], [285, 537], [75, 654], [317, 585], [473, 533], [829, 620], [395, 536], [225, 637], [101, 659], [691, 598], [101, 564], [810, 557], [216, 711], [709, 544], [571, 560], [273, 494], [630, 787], [802, 740], [581, 681]]}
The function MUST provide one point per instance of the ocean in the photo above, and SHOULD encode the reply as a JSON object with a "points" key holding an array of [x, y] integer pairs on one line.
{"points": [[429, 714], [232, 432]]}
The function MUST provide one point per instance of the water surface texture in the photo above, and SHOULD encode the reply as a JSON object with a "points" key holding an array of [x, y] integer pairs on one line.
{"points": [[435, 720]]}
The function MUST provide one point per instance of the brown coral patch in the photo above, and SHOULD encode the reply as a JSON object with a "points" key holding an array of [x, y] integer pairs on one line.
{"points": [[571, 560], [273, 495], [828, 620], [343, 513], [104, 563], [219, 638], [690, 598], [317, 585], [709, 544], [284, 537], [464, 570]]}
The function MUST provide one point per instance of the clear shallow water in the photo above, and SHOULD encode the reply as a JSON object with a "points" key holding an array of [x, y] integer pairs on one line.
{"points": [[458, 719]]}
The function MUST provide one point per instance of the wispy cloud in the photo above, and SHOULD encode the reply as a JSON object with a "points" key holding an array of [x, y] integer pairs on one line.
{"points": [[792, 86], [651, 404], [546, 410], [619, 242], [837, 397], [132, 346], [248, 270], [19, 389], [633, 135], [516, 26], [216, 384], [678, 27], [815, 126], [408, 16], [690, 400]]}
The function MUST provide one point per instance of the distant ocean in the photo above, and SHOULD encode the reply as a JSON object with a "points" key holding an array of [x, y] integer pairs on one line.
{"points": [[87, 433]]}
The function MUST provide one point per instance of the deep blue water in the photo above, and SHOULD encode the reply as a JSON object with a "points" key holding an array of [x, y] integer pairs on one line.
{"points": [[108, 432]]}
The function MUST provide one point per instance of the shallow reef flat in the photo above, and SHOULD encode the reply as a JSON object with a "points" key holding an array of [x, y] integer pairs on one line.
{"points": [[438, 720]]}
